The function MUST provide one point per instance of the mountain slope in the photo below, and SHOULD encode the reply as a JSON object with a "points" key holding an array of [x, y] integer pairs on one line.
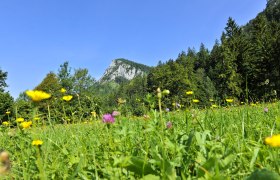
{"points": [[123, 69]]}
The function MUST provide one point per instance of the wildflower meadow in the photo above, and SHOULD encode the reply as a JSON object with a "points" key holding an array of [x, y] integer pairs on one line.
{"points": [[204, 111], [219, 142]]}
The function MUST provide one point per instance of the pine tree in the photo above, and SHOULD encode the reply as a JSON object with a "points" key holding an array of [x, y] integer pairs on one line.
{"points": [[3, 78]]}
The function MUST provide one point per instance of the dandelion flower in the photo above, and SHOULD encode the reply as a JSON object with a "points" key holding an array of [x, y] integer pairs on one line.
{"points": [[229, 100], [26, 124], [214, 106], [67, 98], [62, 90], [93, 113], [36, 118], [108, 118], [19, 120], [6, 123], [273, 141], [8, 112], [37, 142], [211, 100], [37, 95], [189, 92], [195, 101]]}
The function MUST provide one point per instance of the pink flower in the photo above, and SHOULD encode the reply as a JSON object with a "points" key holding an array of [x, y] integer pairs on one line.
{"points": [[169, 125], [108, 118], [115, 113]]}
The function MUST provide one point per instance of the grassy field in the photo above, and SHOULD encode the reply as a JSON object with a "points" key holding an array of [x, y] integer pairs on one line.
{"points": [[220, 143]]}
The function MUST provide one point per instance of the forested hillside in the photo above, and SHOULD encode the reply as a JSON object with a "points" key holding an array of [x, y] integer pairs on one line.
{"points": [[244, 64]]}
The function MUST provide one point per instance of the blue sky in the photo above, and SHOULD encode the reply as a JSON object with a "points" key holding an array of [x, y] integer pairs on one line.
{"points": [[36, 36]]}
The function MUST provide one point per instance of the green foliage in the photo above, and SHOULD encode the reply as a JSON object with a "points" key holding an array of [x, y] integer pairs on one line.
{"points": [[64, 76], [6, 100], [245, 65], [3, 77], [6, 104], [208, 144], [139, 66], [49, 84], [263, 174]]}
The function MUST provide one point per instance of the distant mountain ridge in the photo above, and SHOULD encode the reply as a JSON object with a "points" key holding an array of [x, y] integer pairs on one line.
{"points": [[123, 69]]}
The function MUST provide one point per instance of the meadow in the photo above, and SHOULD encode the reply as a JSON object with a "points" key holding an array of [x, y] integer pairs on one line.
{"points": [[188, 143]]}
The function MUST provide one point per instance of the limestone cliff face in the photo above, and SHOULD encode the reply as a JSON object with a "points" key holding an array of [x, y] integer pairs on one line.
{"points": [[123, 69]]}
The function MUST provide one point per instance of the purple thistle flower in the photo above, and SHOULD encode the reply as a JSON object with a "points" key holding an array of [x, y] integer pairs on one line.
{"points": [[169, 125], [265, 110], [108, 118], [115, 113]]}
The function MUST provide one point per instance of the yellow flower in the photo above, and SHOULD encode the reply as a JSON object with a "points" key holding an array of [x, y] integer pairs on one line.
{"points": [[253, 104], [36, 118], [229, 100], [37, 95], [62, 90], [93, 114], [195, 101], [67, 98], [121, 101], [19, 120], [37, 142], [211, 100], [8, 112], [189, 92], [273, 141], [6, 123], [214, 106], [26, 124]]}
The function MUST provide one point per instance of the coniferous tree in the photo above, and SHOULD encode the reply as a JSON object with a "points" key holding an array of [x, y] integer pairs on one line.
{"points": [[3, 77], [229, 79]]}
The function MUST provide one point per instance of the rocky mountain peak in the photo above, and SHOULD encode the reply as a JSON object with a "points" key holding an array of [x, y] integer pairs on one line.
{"points": [[122, 69]]}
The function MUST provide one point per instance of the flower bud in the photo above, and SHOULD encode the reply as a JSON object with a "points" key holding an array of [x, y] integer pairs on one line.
{"points": [[165, 92]]}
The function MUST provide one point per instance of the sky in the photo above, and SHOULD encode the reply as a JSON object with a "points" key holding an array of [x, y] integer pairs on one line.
{"points": [[37, 36]]}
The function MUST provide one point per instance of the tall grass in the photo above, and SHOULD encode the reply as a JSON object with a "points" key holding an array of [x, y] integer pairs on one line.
{"points": [[224, 143]]}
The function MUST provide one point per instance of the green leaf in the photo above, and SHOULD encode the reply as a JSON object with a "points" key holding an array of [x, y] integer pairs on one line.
{"points": [[263, 174], [137, 165], [255, 155], [169, 170], [225, 163], [208, 166], [151, 177]]}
